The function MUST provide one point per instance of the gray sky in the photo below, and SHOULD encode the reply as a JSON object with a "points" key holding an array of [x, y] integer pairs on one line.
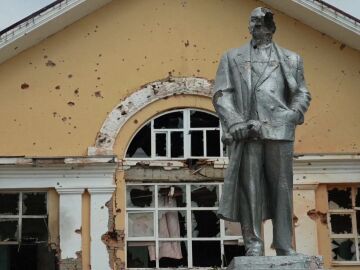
{"points": [[15, 10]]}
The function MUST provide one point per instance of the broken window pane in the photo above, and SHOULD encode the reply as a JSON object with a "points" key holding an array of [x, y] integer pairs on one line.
{"points": [[170, 120], [358, 221], [232, 249], [339, 198], [343, 249], [160, 142], [34, 203], [8, 229], [140, 146], [177, 144], [204, 195], [141, 224], [140, 254], [172, 196], [140, 196], [201, 119], [205, 224], [213, 143], [232, 228], [172, 254], [34, 230], [340, 223], [197, 143], [206, 253], [9, 203], [172, 224]]}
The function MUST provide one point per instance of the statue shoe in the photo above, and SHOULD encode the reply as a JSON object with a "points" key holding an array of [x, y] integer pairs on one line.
{"points": [[287, 252]]}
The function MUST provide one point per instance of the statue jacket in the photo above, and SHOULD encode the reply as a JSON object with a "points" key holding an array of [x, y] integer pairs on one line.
{"points": [[279, 93]]}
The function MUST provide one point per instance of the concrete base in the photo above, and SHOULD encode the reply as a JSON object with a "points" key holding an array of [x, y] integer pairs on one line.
{"points": [[277, 262]]}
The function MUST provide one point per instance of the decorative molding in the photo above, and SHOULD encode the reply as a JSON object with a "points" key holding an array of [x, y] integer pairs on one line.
{"points": [[70, 190], [140, 99]]}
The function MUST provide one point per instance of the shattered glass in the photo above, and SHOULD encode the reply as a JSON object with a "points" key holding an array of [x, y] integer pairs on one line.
{"points": [[9, 229], [171, 196], [140, 146], [343, 250], [205, 223], [341, 223], [339, 198], [169, 120], [140, 196], [204, 195], [138, 254]]}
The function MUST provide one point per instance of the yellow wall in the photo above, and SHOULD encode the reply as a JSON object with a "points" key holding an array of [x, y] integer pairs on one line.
{"points": [[126, 44]]}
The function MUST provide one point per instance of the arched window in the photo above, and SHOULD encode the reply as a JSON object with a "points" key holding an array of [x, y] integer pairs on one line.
{"points": [[178, 134]]}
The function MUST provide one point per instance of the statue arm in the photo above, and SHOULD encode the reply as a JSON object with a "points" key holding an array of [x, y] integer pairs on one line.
{"points": [[223, 98], [301, 99]]}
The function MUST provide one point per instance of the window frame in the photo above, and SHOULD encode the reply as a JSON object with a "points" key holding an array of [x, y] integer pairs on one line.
{"points": [[20, 216], [186, 129], [188, 239], [355, 235]]}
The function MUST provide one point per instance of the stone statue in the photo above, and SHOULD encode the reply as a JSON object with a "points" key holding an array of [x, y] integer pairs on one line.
{"points": [[260, 96]]}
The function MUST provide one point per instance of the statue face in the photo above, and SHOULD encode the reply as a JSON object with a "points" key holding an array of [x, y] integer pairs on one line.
{"points": [[261, 23]]}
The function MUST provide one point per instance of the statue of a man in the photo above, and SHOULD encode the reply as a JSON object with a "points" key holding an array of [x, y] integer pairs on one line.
{"points": [[260, 96]]}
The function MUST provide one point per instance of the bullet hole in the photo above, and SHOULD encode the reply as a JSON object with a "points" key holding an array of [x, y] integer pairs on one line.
{"points": [[15, 48], [198, 70], [50, 63], [299, 141], [342, 46], [76, 91], [30, 63], [70, 103], [64, 119], [34, 143], [14, 120], [343, 72], [194, 45], [187, 43], [95, 70], [95, 31], [30, 108], [50, 148], [57, 87], [304, 177], [45, 56], [70, 76], [123, 59], [98, 94], [74, 127], [88, 34], [78, 231], [54, 114], [69, 133], [145, 57], [100, 55], [137, 69], [24, 86], [98, 78], [136, 121]]}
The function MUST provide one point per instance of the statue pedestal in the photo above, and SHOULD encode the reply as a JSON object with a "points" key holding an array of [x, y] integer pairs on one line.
{"points": [[277, 262]]}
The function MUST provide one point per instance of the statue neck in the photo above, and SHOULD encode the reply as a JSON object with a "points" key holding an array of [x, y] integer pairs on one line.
{"points": [[262, 42]]}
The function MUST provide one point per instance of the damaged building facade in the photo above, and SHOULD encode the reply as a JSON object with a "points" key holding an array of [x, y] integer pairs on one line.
{"points": [[111, 155]]}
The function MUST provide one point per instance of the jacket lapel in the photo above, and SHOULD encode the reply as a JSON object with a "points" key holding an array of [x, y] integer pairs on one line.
{"points": [[242, 61], [272, 65]]}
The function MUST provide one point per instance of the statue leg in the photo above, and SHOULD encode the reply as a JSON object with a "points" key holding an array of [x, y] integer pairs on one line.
{"points": [[250, 204], [279, 176]]}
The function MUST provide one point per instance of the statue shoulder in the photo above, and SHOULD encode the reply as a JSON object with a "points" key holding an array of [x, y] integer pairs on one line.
{"points": [[291, 57]]}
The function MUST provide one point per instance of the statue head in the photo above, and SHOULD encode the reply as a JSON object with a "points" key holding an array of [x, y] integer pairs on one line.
{"points": [[261, 23]]}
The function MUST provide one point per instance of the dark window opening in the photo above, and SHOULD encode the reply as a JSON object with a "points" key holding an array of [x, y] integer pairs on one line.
{"points": [[9, 230], [206, 254], [343, 249], [197, 143], [232, 250], [160, 141], [205, 223], [34, 230], [34, 204], [213, 143], [339, 198], [9, 204], [204, 196], [203, 120], [177, 144], [140, 146], [341, 223], [170, 120]]}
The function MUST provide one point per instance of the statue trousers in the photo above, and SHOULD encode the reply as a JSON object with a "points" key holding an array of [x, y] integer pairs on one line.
{"points": [[268, 167]]}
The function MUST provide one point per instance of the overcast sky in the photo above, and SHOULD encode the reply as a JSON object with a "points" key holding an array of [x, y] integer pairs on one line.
{"points": [[15, 10]]}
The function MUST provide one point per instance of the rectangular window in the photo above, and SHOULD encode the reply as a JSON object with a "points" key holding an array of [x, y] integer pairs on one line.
{"points": [[175, 225], [344, 223], [24, 231]]}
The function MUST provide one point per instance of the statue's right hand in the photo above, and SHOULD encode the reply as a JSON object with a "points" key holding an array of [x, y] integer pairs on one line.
{"points": [[239, 131]]}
